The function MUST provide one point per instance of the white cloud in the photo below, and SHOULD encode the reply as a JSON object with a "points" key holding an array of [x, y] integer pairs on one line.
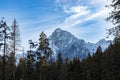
{"points": [[100, 2], [78, 14], [75, 14], [100, 14], [93, 10], [72, 23], [75, 9]]}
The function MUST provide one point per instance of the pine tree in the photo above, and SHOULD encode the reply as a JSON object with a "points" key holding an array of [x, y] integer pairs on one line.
{"points": [[1, 65], [44, 49], [89, 67], [11, 66], [4, 36], [20, 70], [29, 67], [115, 18], [114, 61], [59, 61], [44, 54], [97, 59], [59, 67]]}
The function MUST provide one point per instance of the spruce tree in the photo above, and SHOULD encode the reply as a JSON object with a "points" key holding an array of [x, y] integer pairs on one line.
{"points": [[59, 61], [114, 17], [97, 59], [44, 48], [4, 37], [11, 66]]}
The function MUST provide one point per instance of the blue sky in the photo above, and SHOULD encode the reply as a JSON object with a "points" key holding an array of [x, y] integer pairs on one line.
{"points": [[83, 18]]}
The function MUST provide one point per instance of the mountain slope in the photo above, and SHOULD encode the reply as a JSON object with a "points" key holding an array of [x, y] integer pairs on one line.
{"points": [[69, 46]]}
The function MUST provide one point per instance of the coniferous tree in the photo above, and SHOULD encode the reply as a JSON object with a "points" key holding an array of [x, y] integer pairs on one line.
{"points": [[89, 67], [76, 69], [59, 61], [115, 18], [59, 67], [4, 36], [44, 54], [10, 67], [20, 70], [66, 68], [29, 67], [97, 59], [44, 48]]}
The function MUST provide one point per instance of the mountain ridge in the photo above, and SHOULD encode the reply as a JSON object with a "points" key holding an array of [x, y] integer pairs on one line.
{"points": [[69, 46]]}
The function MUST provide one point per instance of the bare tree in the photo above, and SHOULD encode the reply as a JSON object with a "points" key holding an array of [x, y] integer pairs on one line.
{"points": [[15, 36]]}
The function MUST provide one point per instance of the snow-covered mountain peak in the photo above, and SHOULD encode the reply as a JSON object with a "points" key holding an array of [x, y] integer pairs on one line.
{"points": [[61, 33], [103, 43], [66, 43], [61, 38], [58, 30]]}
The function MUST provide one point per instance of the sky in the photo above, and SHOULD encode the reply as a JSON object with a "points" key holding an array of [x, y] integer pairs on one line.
{"points": [[85, 19]]}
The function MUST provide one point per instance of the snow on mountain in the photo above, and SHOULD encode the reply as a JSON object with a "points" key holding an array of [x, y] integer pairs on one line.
{"points": [[103, 43], [69, 46]]}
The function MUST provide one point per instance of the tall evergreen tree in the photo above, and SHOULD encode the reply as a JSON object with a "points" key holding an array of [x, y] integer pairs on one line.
{"points": [[4, 36], [59, 60], [115, 18], [10, 67], [59, 67], [29, 67], [44, 54], [44, 48], [97, 59]]}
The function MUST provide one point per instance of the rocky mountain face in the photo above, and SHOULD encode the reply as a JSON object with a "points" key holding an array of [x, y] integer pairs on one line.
{"points": [[69, 46]]}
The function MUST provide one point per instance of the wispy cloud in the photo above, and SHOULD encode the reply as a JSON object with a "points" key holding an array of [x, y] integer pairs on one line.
{"points": [[70, 15], [75, 14], [81, 13], [78, 14], [100, 14], [100, 2], [75, 9]]}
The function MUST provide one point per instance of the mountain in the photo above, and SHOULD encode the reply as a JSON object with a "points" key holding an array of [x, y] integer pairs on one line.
{"points": [[69, 46]]}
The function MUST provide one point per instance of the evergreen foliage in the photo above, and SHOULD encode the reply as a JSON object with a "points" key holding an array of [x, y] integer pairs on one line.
{"points": [[114, 17], [99, 66], [39, 65]]}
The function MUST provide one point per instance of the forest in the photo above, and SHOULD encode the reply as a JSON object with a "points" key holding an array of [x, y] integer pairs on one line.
{"points": [[39, 64]]}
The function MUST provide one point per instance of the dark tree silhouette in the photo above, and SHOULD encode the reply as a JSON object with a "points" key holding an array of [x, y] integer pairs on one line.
{"points": [[115, 18]]}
